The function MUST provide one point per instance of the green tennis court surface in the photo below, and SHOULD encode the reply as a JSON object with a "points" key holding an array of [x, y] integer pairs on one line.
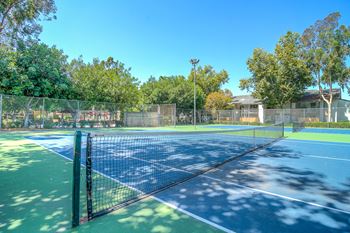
{"points": [[294, 185]]}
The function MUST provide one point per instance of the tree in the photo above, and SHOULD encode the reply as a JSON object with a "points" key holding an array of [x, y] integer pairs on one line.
{"points": [[19, 19], [327, 48], [104, 81], [263, 83], [36, 71], [157, 91], [220, 100], [208, 79], [171, 90], [279, 78], [293, 74], [8, 69]]}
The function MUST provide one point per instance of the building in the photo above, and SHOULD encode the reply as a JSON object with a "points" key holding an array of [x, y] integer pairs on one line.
{"points": [[250, 108], [310, 107]]}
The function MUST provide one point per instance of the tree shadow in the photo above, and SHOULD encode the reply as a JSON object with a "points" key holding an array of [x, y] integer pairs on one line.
{"points": [[245, 210], [36, 197], [217, 199]]}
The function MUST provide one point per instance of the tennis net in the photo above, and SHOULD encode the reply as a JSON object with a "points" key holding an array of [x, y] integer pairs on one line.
{"points": [[126, 167]]}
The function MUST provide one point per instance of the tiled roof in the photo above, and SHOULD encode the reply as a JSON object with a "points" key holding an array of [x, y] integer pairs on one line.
{"points": [[245, 99], [309, 95]]}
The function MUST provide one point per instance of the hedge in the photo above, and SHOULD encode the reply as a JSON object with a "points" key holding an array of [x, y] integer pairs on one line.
{"points": [[345, 124]]}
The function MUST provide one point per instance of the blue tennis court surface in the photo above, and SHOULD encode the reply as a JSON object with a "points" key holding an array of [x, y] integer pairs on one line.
{"points": [[322, 130], [287, 129], [229, 126], [291, 186]]}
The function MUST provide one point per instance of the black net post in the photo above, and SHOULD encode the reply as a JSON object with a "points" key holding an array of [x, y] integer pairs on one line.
{"points": [[111, 159], [76, 179], [89, 177]]}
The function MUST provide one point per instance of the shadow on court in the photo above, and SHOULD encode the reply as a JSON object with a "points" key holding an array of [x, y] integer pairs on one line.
{"points": [[287, 187], [274, 190]]}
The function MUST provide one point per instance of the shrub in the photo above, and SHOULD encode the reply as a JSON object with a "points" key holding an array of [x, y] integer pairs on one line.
{"points": [[344, 124], [49, 124]]}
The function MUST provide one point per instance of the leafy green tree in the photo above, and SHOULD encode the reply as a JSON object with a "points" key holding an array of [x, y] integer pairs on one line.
{"points": [[156, 91], [278, 78], [293, 74], [220, 100], [36, 71], [327, 47], [19, 19], [104, 81], [170, 90], [208, 79], [264, 81], [8, 69]]}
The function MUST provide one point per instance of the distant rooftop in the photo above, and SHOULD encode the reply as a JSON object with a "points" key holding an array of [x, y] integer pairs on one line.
{"points": [[309, 95], [245, 99]]}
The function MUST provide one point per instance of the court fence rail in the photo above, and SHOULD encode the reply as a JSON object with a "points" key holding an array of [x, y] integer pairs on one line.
{"points": [[263, 116], [21, 112]]}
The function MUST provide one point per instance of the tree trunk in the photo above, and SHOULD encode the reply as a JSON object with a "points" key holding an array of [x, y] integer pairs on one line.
{"points": [[26, 120], [27, 113], [329, 112], [330, 101]]}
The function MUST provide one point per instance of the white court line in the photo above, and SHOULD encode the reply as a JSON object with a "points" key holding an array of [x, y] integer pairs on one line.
{"points": [[326, 157], [280, 196], [220, 181], [227, 182], [252, 189], [153, 197], [317, 142], [267, 154]]}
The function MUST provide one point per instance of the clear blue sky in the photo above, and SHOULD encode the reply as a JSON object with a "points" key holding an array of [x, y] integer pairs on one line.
{"points": [[158, 37]]}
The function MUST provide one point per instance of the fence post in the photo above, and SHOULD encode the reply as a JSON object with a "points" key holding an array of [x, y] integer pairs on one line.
{"points": [[174, 115], [248, 117], [335, 114], [125, 115], [42, 114], [76, 180], [232, 116], [158, 116], [142, 118], [0, 111], [77, 117]]}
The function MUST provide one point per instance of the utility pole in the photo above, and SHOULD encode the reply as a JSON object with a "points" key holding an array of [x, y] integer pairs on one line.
{"points": [[194, 62]]}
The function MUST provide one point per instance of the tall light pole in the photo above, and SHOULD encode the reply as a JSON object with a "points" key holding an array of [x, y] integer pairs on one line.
{"points": [[194, 62]]}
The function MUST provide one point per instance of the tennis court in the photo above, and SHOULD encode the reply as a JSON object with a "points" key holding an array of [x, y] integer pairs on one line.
{"points": [[291, 185]]}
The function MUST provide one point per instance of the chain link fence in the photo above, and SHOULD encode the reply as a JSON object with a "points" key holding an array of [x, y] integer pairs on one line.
{"points": [[36, 112], [48, 113], [153, 115], [263, 116]]}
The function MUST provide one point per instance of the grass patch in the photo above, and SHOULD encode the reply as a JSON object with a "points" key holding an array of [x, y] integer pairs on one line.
{"points": [[36, 187], [325, 137]]}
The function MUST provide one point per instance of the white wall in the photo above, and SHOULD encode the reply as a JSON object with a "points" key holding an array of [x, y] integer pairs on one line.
{"points": [[261, 113], [343, 110]]}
